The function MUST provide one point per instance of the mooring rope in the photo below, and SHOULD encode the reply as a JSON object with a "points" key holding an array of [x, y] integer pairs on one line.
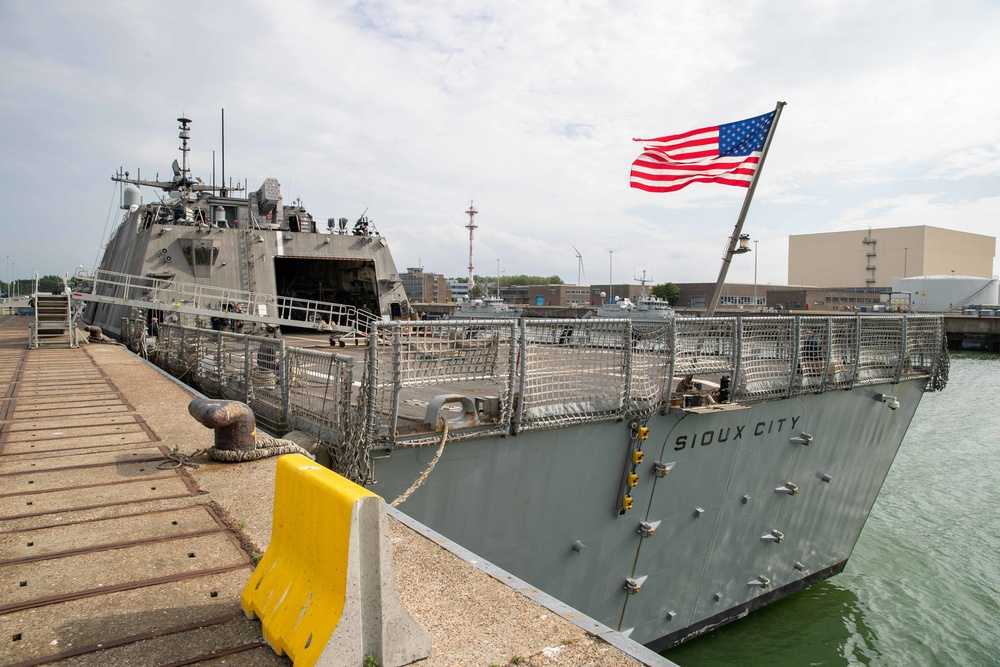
{"points": [[427, 471], [266, 447]]}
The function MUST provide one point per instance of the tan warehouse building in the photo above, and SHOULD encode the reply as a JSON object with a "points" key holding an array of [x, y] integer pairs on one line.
{"points": [[872, 258]]}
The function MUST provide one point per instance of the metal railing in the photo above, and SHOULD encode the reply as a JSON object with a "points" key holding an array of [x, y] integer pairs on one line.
{"points": [[501, 377], [171, 296]]}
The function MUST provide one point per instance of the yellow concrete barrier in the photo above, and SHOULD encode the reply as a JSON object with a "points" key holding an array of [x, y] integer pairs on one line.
{"points": [[325, 590]]}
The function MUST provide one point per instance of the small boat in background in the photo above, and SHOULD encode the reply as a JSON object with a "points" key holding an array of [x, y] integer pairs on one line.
{"points": [[487, 307], [645, 308]]}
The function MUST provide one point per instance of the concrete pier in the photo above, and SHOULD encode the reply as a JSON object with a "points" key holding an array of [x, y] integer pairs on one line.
{"points": [[970, 332], [114, 552]]}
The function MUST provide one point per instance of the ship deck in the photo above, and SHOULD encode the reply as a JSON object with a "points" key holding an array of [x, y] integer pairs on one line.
{"points": [[110, 557]]}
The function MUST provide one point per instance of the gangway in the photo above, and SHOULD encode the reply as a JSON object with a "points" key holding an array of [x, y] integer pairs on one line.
{"points": [[166, 295], [54, 316]]}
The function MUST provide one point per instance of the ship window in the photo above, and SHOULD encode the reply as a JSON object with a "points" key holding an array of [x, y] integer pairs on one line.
{"points": [[147, 219]]}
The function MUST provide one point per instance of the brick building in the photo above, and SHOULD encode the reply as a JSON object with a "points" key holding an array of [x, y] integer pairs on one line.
{"points": [[423, 287]]}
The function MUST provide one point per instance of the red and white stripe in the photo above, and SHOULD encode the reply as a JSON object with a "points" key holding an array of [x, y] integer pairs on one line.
{"points": [[673, 162]]}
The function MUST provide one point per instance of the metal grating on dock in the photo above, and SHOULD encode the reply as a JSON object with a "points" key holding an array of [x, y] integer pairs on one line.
{"points": [[105, 557]]}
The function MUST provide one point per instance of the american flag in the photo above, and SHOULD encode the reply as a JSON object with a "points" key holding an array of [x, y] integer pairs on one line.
{"points": [[726, 154]]}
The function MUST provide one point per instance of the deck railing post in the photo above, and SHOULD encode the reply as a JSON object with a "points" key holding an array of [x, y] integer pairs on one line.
{"points": [[516, 333], [369, 435], [629, 341], [857, 352], [521, 375], [901, 360], [796, 343], [397, 379], [738, 350]]}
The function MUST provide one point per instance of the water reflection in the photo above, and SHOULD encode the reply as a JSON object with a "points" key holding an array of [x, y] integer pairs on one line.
{"points": [[822, 625]]}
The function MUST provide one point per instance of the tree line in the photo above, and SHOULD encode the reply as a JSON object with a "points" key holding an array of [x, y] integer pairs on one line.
{"points": [[27, 285], [508, 281]]}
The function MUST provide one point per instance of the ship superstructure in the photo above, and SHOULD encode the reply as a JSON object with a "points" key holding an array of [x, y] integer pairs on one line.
{"points": [[200, 247]]}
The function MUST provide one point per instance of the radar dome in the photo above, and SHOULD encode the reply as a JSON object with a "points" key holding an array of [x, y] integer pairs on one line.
{"points": [[131, 197]]}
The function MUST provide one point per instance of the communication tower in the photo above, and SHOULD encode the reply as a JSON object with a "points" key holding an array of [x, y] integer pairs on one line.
{"points": [[472, 228]]}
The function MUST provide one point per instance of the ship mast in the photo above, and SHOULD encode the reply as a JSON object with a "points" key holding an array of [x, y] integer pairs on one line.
{"points": [[642, 283], [472, 228], [182, 180], [184, 135]]}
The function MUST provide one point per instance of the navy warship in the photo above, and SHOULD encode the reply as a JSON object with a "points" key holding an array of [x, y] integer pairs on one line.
{"points": [[661, 480]]}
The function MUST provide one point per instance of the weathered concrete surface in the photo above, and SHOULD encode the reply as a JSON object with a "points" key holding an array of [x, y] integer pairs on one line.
{"points": [[111, 579]]}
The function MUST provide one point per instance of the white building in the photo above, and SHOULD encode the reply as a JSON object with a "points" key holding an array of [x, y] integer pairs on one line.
{"points": [[459, 289]]}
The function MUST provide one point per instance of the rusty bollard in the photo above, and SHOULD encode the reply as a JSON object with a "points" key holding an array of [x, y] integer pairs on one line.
{"points": [[233, 422]]}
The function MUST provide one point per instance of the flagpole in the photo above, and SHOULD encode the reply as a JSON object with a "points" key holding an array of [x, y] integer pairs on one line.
{"points": [[734, 239]]}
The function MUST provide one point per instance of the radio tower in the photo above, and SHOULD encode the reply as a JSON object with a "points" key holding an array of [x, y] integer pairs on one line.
{"points": [[472, 228]]}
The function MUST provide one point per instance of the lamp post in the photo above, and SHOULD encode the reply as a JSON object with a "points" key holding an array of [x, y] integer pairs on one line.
{"points": [[755, 304], [611, 279], [744, 247]]}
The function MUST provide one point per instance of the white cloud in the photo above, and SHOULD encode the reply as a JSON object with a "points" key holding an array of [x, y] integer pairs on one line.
{"points": [[412, 109]]}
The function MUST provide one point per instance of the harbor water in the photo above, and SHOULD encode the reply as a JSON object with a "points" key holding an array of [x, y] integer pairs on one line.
{"points": [[923, 584]]}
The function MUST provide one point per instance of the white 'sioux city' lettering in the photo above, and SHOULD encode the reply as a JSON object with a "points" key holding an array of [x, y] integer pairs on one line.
{"points": [[734, 433]]}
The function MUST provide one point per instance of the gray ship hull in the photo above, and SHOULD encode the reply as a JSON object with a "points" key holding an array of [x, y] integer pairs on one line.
{"points": [[661, 482], [523, 502]]}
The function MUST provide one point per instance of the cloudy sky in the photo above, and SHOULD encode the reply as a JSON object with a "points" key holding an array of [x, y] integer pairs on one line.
{"points": [[413, 109]]}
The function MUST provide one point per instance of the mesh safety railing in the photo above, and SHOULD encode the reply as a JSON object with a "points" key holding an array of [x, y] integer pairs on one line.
{"points": [[843, 352], [417, 361], [652, 345], [767, 358], [319, 391], [499, 377], [266, 367], [230, 366], [705, 351], [572, 372], [319, 403], [881, 350]]}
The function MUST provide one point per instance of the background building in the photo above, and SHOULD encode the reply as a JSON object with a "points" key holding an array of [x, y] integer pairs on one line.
{"points": [[559, 295], [424, 287], [748, 297], [459, 289], [873, 258], [818, 298], [734, 295], [546, 295]]}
